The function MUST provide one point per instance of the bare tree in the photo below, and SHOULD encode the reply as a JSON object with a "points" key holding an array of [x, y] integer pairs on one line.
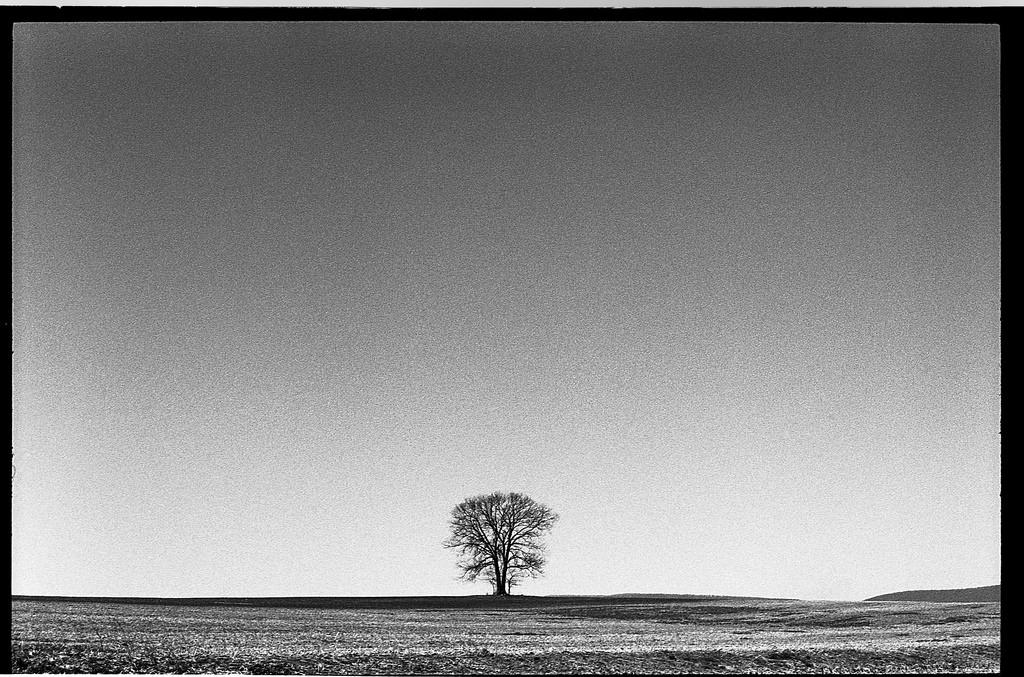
{"points": [[499, 538]]}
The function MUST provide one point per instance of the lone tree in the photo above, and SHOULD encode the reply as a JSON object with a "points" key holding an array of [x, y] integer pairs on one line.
{"points": [[499, 538]]}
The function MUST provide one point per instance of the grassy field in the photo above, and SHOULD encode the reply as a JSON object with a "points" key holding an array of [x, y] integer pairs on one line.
{"points": [[523, 635]]}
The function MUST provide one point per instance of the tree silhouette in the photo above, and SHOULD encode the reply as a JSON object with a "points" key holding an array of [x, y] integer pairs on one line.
{"points": [[499, 538]]}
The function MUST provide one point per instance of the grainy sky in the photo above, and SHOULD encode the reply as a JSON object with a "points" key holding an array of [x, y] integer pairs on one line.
{"points": [[723, 295]]}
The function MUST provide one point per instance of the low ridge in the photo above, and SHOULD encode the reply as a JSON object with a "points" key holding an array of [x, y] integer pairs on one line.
{"points": [[988, 593]]}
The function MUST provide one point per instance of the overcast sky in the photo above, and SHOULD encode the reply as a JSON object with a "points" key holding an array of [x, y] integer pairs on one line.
{"points": [[724, 296]]}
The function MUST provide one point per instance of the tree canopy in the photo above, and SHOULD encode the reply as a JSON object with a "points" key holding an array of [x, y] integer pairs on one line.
{"points": [[499, 538]]}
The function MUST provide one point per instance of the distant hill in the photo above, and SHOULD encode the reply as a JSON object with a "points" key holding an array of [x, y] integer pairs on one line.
{"points": [[989, 593]]}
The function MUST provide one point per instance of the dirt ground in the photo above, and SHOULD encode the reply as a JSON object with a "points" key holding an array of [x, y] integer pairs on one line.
{"points": [[584, 635]]}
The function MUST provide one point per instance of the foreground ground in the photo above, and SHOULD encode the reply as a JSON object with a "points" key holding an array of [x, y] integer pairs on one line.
{"points": [[537, 635]]}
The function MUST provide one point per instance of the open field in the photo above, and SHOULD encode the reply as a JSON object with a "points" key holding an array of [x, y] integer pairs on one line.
{"points": [[521, 635]]}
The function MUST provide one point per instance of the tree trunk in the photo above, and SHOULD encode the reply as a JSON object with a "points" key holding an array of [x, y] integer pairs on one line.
{"points": [[499, 580]]}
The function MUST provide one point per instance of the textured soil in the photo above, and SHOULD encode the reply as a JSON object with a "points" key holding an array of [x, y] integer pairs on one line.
{"points": [[649, 636]]}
